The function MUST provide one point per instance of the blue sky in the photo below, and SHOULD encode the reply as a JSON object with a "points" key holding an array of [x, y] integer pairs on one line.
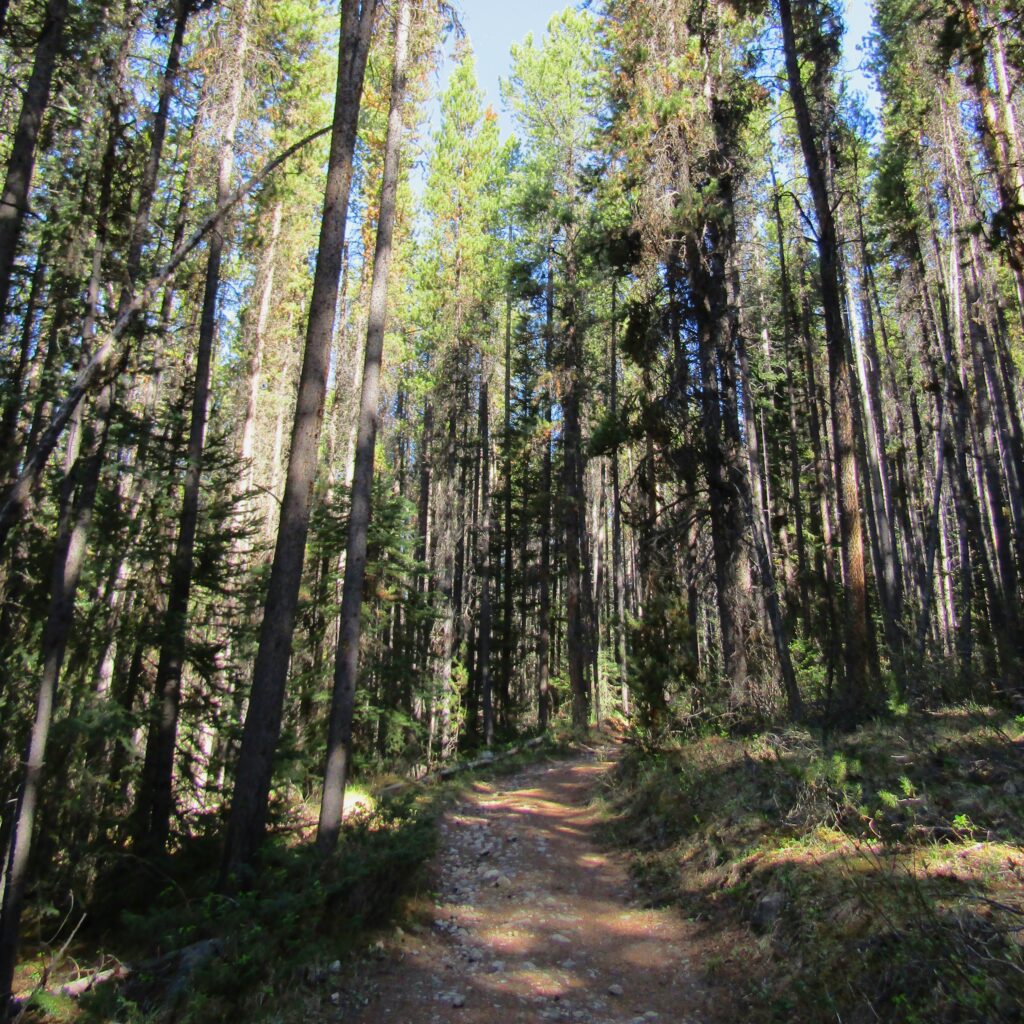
{"points": [[493, 25]]}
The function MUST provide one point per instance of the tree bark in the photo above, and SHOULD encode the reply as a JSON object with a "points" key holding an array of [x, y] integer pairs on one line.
{"points": [[856, 697], [69, 558], [618, 579], [727, 482], [508, 641], [258, 342], [156, 800], [247, 819], [339, 735], [576, 599], [483, 648], [544, 624]]}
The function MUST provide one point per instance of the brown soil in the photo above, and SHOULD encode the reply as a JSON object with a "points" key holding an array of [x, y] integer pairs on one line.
{"points": [[533, 920]]}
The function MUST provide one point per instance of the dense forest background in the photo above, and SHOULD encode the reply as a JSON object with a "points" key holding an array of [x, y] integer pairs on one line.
{"points": [[696, 402]]}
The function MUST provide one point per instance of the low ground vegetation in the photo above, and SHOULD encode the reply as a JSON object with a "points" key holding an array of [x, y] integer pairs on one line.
{"points": [[164, 944], [876, 876]]}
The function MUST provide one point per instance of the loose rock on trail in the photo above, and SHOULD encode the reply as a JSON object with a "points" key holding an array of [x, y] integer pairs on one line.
{"points": [[533, 920]]}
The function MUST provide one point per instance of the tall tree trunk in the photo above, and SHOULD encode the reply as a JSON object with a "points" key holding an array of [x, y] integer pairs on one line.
{"points": [[759, 521], [422, 647], [339, 735], [618, 579], [508, 644], [69, 558], [544, 625], [571, 365], [16, 382], [442, 632], [727, 483], [156, 799], [22, 159], [789, 332], [258, 342], [262, 727], [483, 647], [856, 697]]}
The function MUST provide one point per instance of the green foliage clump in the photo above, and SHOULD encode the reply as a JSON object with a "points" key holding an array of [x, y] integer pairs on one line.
{"points": [[270, 942], [661, 662]]}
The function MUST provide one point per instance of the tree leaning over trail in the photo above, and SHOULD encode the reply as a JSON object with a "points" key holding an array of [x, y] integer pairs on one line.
{"points": [[339, 735], [262, 728], [109, 353]]}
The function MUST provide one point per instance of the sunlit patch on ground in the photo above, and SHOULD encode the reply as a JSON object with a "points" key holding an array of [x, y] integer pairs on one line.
{"points": [[532, 922]]}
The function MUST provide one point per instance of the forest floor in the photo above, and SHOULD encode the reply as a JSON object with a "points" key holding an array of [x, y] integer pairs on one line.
{"points": [[532, 918]]}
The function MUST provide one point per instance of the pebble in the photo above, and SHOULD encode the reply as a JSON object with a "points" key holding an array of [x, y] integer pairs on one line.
{"points": [[615, 989]]}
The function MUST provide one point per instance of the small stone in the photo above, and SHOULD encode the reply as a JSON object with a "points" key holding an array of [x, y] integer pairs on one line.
{"points": [[335, 967], [767, 911], [336, 998], [503, 882], [615, 990], [496, 966], [458, 1000], [559, 938]]}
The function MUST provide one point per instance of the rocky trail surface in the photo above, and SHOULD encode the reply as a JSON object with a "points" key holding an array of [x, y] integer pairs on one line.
{"points": [[533, 920]]}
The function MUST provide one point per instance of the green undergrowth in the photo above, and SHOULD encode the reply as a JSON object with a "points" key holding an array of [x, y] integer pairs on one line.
{"points": [[267, 954], [875, 878]]}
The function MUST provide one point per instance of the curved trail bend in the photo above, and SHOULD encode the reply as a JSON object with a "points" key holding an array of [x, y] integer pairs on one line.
{"points": [[533, 921]]}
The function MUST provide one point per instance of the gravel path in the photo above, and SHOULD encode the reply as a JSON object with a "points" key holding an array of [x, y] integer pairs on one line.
{"points": [[533, 920]]}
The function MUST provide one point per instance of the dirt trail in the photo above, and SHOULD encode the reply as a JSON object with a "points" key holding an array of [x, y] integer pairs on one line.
{"points": [[533, 920]]}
